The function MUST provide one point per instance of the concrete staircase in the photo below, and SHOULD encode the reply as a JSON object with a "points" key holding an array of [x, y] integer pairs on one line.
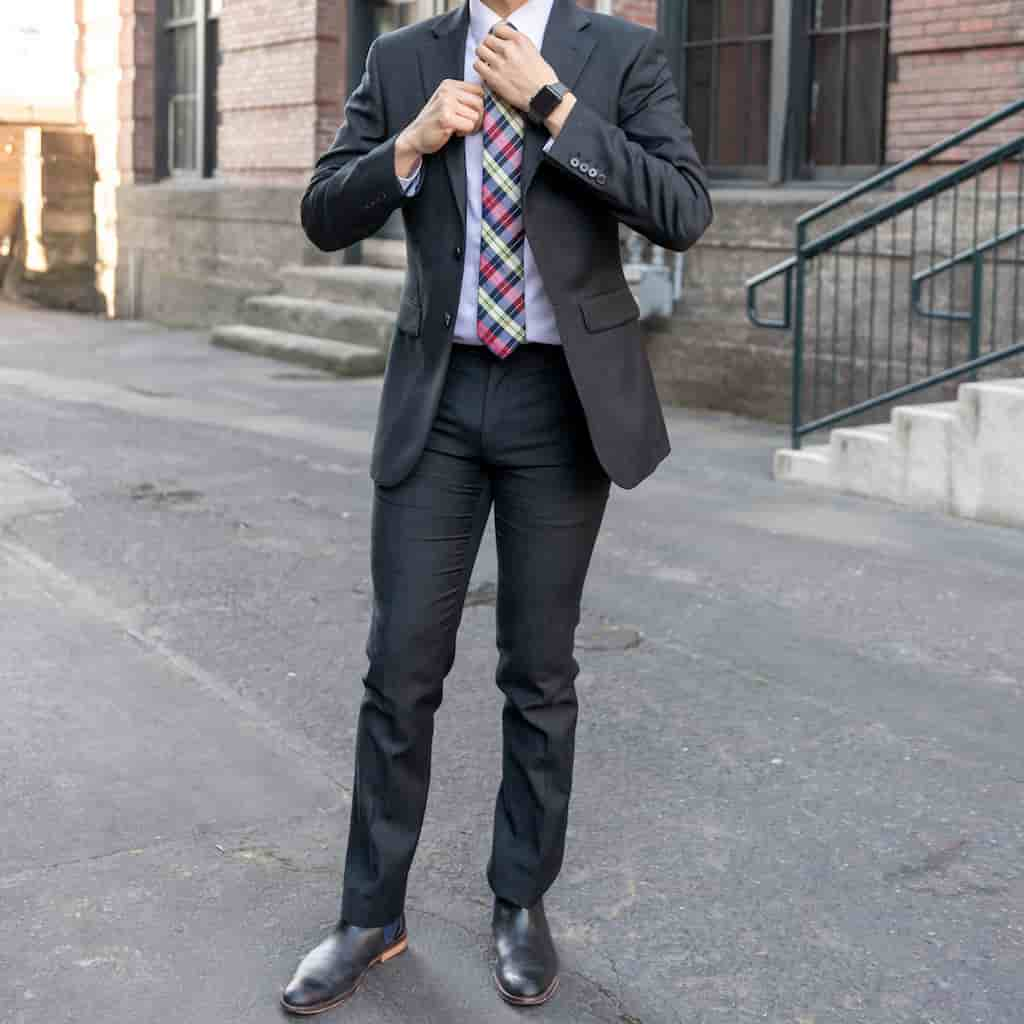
{"points": [[334, 318], [965, 458]]}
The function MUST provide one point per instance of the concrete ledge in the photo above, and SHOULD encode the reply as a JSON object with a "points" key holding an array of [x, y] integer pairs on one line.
{"points": [[377, 287], [339, 357], [321, 318], [922, 439], [861, 460], [804, 466]]}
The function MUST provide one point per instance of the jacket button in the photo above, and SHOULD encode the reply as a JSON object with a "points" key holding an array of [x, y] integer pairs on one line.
{"points": [[458, 252], [574, 161], [447, 319]]}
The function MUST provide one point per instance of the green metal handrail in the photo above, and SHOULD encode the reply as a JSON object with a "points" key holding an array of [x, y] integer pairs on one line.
{"points": [[948, 264], [794, 269]]}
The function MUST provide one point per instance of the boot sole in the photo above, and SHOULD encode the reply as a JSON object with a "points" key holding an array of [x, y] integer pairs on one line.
{"points": [[527, 1000], [389, 954]]}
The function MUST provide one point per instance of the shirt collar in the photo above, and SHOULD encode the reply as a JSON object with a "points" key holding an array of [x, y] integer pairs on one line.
{"points": [[531, 19]]}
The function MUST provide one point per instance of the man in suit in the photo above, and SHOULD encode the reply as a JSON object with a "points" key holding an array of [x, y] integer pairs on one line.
{"points": [[514, 135]]}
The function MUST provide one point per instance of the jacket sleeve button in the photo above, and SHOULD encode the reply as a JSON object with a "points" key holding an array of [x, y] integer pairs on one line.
{"points": [[458, 252], [601, 179], [584, 167], [592, 172], [574, 161], [447, 319]]}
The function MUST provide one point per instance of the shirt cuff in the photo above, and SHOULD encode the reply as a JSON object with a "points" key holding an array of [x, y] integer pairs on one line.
{"points": [[411, 185], [549, 143]]}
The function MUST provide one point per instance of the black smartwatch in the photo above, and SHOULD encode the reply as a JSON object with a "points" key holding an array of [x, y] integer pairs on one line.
{"points": [[545, 101]]}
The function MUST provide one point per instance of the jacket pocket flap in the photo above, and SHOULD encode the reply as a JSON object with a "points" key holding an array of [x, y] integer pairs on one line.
{"points": [[609, 309], [409, 316]]}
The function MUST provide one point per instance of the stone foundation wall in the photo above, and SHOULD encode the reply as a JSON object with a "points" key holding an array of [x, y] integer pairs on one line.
{"points": [[51, 256], [189, 254], [860, 335]]}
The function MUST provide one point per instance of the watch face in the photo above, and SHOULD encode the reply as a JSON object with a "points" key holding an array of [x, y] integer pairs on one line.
{"points": [[547, 99]]}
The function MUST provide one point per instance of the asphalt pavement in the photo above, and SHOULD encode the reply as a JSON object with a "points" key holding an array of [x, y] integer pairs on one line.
{"points": [[800, 765]]}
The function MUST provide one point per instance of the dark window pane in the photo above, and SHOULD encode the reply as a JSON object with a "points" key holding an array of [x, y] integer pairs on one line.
{"points": [[700, 20], [760, 55], [827, 13], [183, 133], [698, 98], [863, 98], [732, 107], [728, 84], [761, 15], [826, 102], [210, 138], [732, 18], [865, 12], [183, 68]]}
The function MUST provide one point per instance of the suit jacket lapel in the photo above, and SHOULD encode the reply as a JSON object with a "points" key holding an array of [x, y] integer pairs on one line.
{"points": [[446, 58], [566, 48]]}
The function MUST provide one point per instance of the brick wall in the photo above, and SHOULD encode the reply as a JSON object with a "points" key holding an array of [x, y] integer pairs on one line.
{"points": [[954, 61], [280, 84], [643, 11]]}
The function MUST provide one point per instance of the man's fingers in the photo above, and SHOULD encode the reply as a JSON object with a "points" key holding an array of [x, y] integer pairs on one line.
{"points": [[471, 109], [464, 124], [483, 70], [492, 47], [459, 87], [503, 31]]}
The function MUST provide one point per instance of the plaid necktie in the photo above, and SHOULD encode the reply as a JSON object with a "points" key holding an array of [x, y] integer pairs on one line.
{"points": [[501, 295]]}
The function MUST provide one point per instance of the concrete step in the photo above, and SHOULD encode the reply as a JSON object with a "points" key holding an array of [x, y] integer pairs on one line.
{"points": [[922, 454], [810, 465], [358, 325], [338, 357], [861, 460], [384, 252], [988, 453], [376, 287], [965, 457]]}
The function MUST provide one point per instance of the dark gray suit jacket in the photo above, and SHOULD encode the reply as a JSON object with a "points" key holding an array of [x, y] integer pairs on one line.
{"points": [[624, 154]]}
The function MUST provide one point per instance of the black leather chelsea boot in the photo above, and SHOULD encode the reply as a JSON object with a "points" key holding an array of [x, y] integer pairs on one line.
{"points": [[333, 970], [526, 971]]}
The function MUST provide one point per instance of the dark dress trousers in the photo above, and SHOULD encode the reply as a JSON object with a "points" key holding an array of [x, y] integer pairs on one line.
{"points": [[539, 436]]}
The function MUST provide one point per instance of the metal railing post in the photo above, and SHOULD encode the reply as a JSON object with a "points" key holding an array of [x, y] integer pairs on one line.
{"points": [[977, 274], [798, 335]]}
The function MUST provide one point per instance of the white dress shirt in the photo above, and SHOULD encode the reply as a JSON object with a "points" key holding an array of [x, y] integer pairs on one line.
{"points": [[531, 19]]}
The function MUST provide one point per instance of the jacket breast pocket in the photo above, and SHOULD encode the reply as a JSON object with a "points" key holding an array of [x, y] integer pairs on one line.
{"points": [[609, 309], [410, 315]]}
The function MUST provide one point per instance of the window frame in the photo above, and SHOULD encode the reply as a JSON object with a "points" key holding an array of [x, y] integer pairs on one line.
{"points": [[789, 105], [204, 90]]}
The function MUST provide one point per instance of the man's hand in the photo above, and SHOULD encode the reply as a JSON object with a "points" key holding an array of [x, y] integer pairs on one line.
{"points": [[456, 108], [512, 66]]}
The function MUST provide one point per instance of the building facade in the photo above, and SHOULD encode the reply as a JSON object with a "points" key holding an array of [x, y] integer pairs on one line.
{"points": [[206, 117]]}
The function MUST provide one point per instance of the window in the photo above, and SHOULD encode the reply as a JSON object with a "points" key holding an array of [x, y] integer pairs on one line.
{"points": [[778, 89], [728, 61], [187, 87], [847, 48]]}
